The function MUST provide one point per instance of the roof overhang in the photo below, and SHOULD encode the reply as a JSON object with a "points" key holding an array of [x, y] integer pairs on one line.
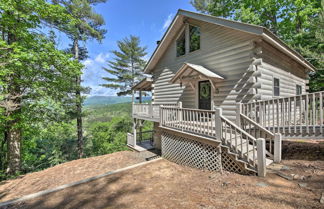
{"points": [[262, 32], [191, 72], [143, 85]]}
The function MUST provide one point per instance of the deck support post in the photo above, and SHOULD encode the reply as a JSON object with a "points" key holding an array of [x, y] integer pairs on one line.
{"points": [[134, 131], [238, 114], [261, 157], [218, 123], [277, 148]]}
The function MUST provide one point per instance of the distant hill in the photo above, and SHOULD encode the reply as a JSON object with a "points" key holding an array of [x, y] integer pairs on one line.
{"points": [[105, 100]]}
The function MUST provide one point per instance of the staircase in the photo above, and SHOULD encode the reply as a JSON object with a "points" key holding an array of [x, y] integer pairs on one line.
{"points": [[253, 154]]}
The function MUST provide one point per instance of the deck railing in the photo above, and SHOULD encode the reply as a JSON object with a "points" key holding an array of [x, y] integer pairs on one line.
{"points": [[201, 122], [302, 113], [148, 110]]}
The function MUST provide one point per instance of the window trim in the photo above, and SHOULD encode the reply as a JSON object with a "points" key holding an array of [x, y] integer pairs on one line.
{"points": [[182, 32], [185, 30], [189, 37], [301, 89], [273, 89]]}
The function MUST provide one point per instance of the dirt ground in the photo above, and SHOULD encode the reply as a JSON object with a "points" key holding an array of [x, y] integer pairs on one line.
{"points": [[163, 184], [67, 173], [295, 183]]}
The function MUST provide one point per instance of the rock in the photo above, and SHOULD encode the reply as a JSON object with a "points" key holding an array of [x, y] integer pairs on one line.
{"points": [[302, 185], [296, 177], [285, 176], [285, 168], [225, 183], [261, 184], [322, 198]]}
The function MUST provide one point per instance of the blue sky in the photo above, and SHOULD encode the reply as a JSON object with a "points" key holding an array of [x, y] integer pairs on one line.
{"points": [[147, 19]]}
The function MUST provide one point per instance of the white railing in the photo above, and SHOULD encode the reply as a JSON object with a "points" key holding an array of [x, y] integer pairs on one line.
{"points": [[239, 141], [258, 131], [148, 110], [302, 113], [130, 140], [195, 121]]}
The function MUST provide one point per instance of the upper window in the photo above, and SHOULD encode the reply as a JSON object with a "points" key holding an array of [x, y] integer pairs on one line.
{"points": [[276, 87], [194, 36], [298, 90], [181, 45]]}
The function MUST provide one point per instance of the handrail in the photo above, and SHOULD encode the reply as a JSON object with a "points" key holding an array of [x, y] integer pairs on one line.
{"points": [[184, 108], [256, 124], [249, 136]]}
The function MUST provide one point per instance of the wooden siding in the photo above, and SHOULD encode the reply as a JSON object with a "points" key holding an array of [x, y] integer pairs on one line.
{"points": [[229, 53], [225, 51], [288, 82]]}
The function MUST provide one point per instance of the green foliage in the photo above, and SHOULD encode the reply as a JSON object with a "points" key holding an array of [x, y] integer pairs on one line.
{"points": [[127, 66], [298, 22], [108, 137]]}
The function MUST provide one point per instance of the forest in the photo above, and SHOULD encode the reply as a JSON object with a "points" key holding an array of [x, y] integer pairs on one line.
{"points": [[43, 117]]}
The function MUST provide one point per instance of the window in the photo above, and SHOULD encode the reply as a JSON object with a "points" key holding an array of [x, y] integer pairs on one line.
{"points": [[298, 90], [181, 45], [276, 87], [194, 36]]}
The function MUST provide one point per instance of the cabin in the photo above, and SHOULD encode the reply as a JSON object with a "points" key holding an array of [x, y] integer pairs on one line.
{"points": [[224, 95]]}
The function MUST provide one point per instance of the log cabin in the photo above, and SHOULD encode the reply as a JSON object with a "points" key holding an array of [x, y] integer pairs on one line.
{"points": [[224, 95]]}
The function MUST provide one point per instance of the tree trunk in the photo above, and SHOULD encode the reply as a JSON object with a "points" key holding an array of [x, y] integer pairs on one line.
{"points": [[14, 149], [78, 103], [13, 131]]}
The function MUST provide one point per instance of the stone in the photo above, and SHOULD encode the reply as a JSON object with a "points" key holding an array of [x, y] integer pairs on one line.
{"points": [[322, 198], [296, 177], [261, 184], [285, 168], [302, 185], [285, 176]]}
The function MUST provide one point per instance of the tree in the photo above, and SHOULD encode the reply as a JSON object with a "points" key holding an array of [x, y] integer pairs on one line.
{"points": [[37, 76], [127, 66], [296, 22], [87, 26]]}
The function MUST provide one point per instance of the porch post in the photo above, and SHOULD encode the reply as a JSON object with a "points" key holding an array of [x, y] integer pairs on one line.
{"points": [[238, 114], [261, 157], [277, 148], [218, 123]]}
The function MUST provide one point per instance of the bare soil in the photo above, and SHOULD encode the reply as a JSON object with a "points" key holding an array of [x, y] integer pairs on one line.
{"points": [[163, 184], [67, 173], [297, 182]]}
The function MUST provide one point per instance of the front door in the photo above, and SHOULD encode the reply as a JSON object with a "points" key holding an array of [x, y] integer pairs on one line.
{"points": [[204, 94]]}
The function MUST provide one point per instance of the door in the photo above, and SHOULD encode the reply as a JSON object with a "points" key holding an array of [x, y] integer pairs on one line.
{"points": [[204, 94]]}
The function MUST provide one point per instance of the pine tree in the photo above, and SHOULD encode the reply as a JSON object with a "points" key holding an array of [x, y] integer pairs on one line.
{"points": [[127, 66], [87, 26]]}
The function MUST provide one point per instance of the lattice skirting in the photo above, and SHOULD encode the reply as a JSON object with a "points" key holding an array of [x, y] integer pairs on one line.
{"points": [[190, 153], [230, 164], [196, 154]]}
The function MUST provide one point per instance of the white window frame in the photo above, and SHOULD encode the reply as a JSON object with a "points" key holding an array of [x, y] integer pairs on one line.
{"points": [[273, 88]]}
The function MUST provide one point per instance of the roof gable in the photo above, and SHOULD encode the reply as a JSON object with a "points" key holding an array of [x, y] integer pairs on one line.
{"points": [[264, 33]]}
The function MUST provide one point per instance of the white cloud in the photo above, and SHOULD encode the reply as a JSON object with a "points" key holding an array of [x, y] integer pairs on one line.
{"points": [[93, 73], [167, 21], [88, 62], [101, 58]]}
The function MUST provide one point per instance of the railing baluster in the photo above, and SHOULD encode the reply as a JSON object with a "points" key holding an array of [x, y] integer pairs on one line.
{"points": [[314, 113]]}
